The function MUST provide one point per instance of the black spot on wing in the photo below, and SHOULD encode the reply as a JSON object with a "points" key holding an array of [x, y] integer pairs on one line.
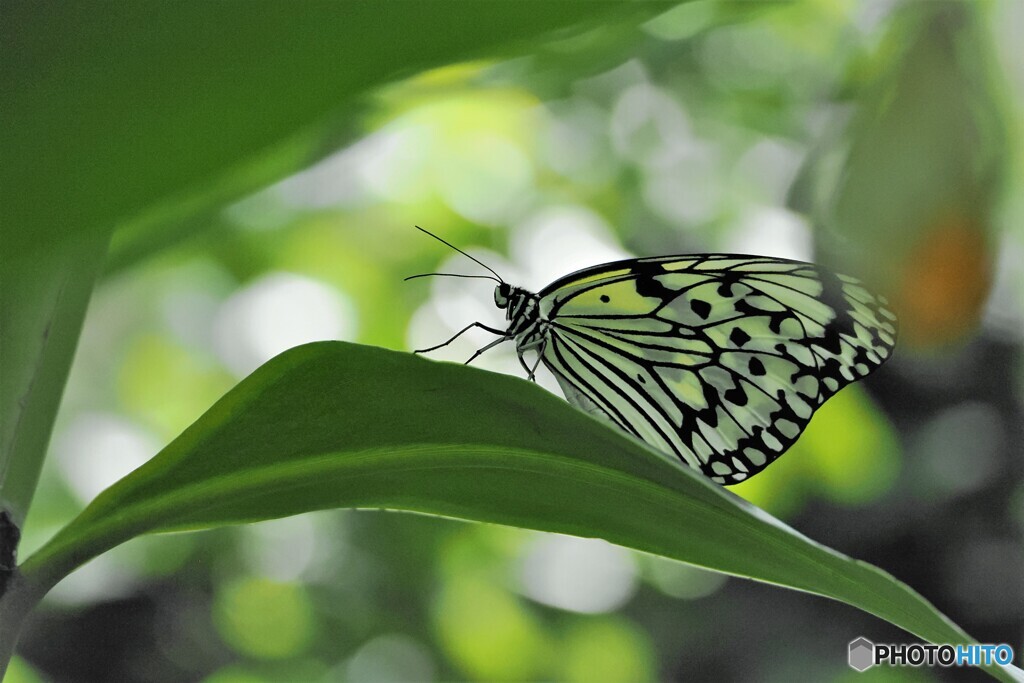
{"points": [[736, 396], [726, 281], [738, 337], [756, 367], [831, 340], [701, 308], [710, 413], [646, 282]]}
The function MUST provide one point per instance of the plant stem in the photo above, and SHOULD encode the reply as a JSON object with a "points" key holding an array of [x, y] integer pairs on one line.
{"points": [[16, 604]]}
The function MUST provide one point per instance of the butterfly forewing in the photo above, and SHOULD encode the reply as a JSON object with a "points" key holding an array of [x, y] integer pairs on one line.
{"points": [[719, 359]]}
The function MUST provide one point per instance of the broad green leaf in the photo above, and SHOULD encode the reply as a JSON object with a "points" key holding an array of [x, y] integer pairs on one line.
{"points": [[115, 111], [333, 424], [145, 118]]}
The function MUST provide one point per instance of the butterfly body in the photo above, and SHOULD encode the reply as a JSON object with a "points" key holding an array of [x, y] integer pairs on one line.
{"points": [[719, 359]]}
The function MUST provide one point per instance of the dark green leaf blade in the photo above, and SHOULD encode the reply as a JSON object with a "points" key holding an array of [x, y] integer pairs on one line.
{"points": [[113, 111], [146, 119], [333, 424]]}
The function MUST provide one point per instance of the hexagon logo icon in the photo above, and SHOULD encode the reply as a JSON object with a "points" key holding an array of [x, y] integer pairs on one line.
{"points": [[862, 654]]}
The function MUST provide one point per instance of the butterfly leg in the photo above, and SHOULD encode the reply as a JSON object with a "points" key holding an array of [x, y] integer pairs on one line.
{"points": [[504, 338], [465, 329], [522, 362], [531, 374]]}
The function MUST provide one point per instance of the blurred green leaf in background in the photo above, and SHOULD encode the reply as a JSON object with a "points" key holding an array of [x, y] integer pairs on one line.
{"points": [[252, 173]]}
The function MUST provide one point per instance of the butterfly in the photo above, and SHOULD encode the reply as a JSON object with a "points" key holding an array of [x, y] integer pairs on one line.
{"points": [[719, 359]]}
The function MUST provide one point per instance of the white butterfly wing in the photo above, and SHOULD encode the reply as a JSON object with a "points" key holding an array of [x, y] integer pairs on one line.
{"points": [[719, 359]]}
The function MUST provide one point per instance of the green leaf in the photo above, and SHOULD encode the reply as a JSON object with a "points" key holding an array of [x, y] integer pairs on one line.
{"points": [[138, 118], [119, 111], [333, 424], [42, 306]]}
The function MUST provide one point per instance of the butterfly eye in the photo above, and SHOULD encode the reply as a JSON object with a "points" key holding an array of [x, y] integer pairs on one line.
{"points": [[501, 295]]}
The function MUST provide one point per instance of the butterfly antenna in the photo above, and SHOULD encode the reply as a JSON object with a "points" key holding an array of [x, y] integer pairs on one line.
{"points": [[482, 277], [460, 251]]}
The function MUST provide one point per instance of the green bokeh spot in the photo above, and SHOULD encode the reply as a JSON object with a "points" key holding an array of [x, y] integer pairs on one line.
{"points": [[264, 619], [856, 456], [234, 674], [19, 671], [488, 633], [606, 649]]}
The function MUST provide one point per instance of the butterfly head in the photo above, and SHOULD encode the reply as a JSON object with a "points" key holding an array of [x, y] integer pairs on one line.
{"points": [[502, 294], [511, 297], [520, 306]]}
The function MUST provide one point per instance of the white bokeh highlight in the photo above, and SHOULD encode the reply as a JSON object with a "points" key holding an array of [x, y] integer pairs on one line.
{"points": [[103, 578], [683, 581], [400, 158], [583, 575], [650, 127], [772, 231], [97, 449], [574, 142], [280, 549], [689, 190], [769, 166], [388, 658], [275, 313], [558, 240], [485, 177]]}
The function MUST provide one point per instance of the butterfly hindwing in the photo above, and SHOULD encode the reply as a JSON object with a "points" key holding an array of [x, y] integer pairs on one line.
{"points": [[720, 359]]}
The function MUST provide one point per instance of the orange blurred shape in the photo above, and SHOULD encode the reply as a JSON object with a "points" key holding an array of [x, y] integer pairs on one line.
{"points": [[946, 279]]}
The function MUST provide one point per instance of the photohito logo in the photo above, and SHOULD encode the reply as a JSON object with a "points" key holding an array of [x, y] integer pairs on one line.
{"points": [[863, 654]]}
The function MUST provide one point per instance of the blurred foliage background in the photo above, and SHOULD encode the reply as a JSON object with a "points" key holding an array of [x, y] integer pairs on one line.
{"points": [[881, 138]]}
